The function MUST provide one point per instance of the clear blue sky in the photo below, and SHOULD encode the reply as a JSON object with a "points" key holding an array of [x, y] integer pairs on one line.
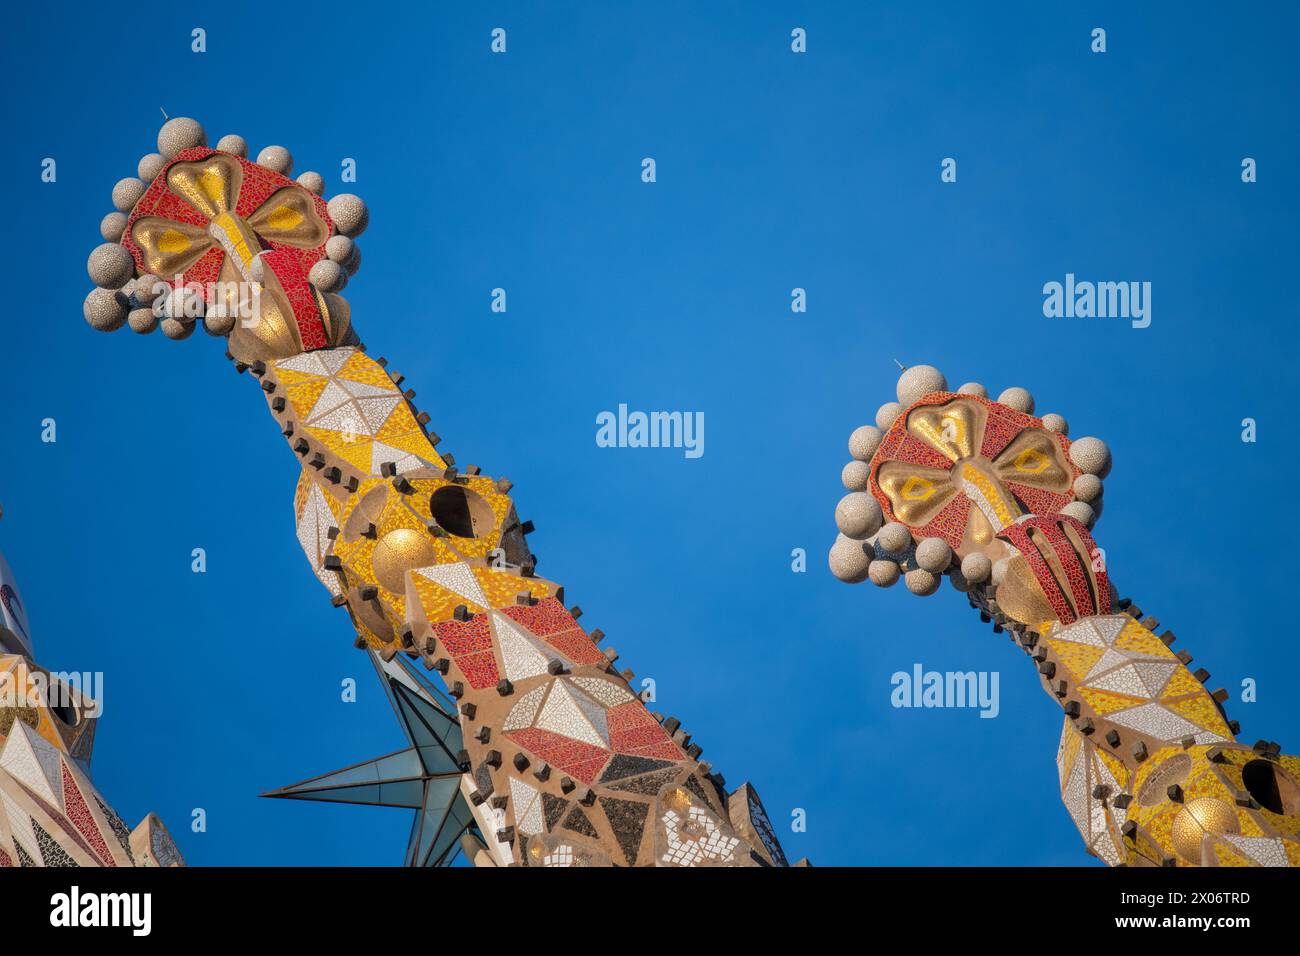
{"points": [[775, 170]]}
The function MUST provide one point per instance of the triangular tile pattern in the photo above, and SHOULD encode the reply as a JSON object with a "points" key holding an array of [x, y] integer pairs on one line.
{"points": [[20, 823], [527, 803], [1155, 675], [1136, 681], [52, 854], [648, 785], [459, 579], [1266, 851], [627, 818], [79, 815], [552, 809], [579, 734], [524, 712], [522, 654], [572, 713], [347, 402], [31, 760], [315, 518], [578, 822], [624, 765], [1109, 660], [1155, 721], [550, 621], [1122, 680], [470, 645]]}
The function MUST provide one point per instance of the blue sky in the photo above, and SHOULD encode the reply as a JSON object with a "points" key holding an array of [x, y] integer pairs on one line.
{"points": [[774, 171]]}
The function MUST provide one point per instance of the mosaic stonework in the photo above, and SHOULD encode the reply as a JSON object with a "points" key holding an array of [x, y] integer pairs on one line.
{"points": [[50, 812], [534, 750], [1002, 505]]}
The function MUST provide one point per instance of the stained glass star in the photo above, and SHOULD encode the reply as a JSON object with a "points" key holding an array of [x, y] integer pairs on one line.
{"points": [[425, 777]]}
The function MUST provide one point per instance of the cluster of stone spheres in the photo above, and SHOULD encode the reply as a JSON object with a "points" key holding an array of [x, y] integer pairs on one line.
{"points": [[951, 484]]}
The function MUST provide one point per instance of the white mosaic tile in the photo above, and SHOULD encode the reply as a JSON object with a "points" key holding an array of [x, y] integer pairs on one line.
{"points": [[335, 359], [1061, 752], [527, 806], [1081, 632], [1110, 658], [525, 709], [521, 656], [561, 855], [366, 390], [1109, 626], [575, 715], [694, 839], [1266, 851], [20, 825], [1122, 680], [313, 535], [23, 758], [376, 411], [346, 418], [1075, 796], [607, 692], [331, 398], [1104, 847], [1155, 675], [308, 363], [1155, 721], [459, 580]]}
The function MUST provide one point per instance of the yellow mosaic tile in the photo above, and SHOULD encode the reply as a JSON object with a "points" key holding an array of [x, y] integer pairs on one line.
{"points": [[1292, 851], [1077, 658], [1247, 824], [1201, 711], [438, 603], [1182, 682], [288, 376], [303, 397], [1115, 766], [362, 368], [501, 587], [1135, 637], [1108, 701], [1227, 855]]}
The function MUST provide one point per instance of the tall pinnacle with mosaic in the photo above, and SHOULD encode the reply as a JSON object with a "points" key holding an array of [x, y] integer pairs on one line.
{"points": [[51, 813], [950, 484], [536, 751]]}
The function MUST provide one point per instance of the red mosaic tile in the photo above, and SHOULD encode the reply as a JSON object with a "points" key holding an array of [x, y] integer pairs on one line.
{"points": [[632, 726], [1038, 501], [576, 646], [79, 814], [543, 618], [465, 637], [664, 750], [479, 669], [573, 757]]}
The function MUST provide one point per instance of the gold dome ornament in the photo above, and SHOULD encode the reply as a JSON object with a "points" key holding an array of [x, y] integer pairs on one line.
{"points": [[1204, 815], [399, 551]]}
